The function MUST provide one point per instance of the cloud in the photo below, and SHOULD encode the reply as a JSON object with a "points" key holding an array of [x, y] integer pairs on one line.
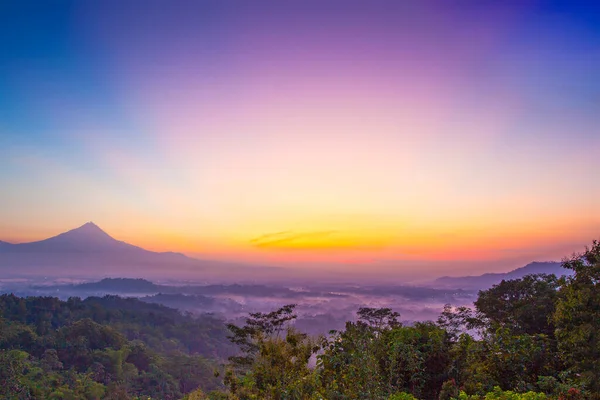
{"points": [[281, 239], [269, 236]]}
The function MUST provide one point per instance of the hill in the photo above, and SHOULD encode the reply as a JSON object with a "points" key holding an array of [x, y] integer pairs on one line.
{"points": [[119, 285], [487, 280]]}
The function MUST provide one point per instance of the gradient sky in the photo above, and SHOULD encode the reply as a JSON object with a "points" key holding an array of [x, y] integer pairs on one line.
{"points": [[447, 136]]}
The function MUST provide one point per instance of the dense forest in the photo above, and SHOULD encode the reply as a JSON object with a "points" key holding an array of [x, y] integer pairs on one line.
{"points": [[109, 347], [532, 338]]}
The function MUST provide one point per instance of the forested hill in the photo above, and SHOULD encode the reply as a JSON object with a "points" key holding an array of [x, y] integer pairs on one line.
{"points": [[107, 347]]}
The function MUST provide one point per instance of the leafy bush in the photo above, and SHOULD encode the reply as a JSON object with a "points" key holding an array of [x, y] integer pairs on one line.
{"points": [[402, 396], [499, 394]]}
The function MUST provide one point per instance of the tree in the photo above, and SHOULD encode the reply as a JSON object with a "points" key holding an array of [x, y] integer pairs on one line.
{"points": [[525, 306], [259, 326], [379, 318], [517, 345], [274, 360], [377, 360], [458, 320], [419, 359], [13, 364], [349, 366], [577, 316]]}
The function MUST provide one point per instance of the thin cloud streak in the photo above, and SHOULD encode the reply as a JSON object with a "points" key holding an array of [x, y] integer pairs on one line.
{"points": [[280, 239]]}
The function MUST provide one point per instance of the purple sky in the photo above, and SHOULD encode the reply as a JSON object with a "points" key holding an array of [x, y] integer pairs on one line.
{"points": [[444, 134]]}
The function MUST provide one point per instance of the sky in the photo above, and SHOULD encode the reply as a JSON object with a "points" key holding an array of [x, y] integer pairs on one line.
{"points": [[382, 136]]}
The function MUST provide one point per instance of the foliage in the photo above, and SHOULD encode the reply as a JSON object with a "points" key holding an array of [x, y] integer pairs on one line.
{"points": [[449, 390], [349, 365], [402, 396], [535, 338], [499, 394], [577, 317], [259, 327], [379, 319], [104, 348], [522, 305], [274, 363], [457, 320]]}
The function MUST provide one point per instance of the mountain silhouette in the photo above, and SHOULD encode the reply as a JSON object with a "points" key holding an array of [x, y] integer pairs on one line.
{"points": [[487, 280], [86, 238], [88, 251]]}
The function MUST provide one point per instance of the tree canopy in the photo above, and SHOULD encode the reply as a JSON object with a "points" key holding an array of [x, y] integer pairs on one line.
{"points": [[534, 338]]}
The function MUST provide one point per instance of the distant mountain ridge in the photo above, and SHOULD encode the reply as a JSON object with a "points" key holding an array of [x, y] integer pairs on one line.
{"points": [[88, 237], [89, 251], [487, 280]]}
